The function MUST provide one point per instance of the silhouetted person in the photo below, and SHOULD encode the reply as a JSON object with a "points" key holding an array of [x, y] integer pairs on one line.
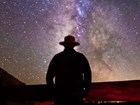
{"points": [[70, 72]]}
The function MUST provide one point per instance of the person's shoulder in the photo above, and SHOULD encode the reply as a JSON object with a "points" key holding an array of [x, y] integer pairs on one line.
{"points": [[58, 54], [82, 57], [56, 57], [80, 54]]}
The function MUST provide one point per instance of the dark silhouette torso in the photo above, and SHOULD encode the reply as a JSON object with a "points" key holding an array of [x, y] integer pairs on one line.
{"points": [[69, 68]]}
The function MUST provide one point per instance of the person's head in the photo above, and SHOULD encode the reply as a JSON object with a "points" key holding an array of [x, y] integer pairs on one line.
{"points": [[69, 41]]}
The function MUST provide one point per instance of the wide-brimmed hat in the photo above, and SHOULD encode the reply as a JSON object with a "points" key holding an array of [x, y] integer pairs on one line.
{"points": [[69, 41]]}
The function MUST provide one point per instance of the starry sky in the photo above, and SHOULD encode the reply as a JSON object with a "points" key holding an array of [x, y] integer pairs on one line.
{"points": [[108, 32]]}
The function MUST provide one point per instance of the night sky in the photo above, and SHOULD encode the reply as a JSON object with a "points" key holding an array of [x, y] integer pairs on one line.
{"points": [[108, 32]]}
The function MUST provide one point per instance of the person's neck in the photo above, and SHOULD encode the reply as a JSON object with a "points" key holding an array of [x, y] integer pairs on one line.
{"points": [[69, 48]]}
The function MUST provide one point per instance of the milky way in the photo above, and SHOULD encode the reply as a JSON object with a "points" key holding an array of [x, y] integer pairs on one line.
{"points": [[108, 32]]}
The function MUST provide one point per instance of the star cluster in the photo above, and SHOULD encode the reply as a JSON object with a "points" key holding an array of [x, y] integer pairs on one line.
{"points": [[108, 32]]}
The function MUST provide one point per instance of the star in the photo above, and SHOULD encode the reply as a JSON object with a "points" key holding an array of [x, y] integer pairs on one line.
{"points": [[107, 30]]}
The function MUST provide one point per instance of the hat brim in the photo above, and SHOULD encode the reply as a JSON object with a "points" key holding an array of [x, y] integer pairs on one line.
{"points": [[69, 44]]}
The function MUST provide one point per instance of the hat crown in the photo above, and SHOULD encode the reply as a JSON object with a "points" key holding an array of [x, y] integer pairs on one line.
{"points": [[69, 39]]}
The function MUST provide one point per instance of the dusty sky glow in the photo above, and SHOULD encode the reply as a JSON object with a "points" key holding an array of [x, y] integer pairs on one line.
{"points": [[108, 31]]}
